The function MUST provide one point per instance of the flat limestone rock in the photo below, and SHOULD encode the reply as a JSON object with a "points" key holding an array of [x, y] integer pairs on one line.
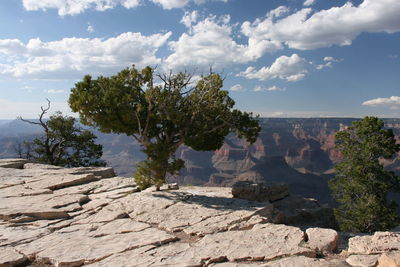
{"points": [[301, 261], [114, 210], [239, 219], [10, 236], [380, 242], [55, 182], [10, 257], [10, 177], [363, 260], [21, 190], [263, 242], [145, 256], [196, 211], [129, 258], [46, 206], [73, 246]]}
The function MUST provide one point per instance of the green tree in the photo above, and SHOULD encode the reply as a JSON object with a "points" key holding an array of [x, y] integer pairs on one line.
{"points": [[161, 117], [362, 184], [63, 143]]}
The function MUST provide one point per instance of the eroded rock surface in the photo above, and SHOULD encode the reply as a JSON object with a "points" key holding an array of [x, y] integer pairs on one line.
{"points": [[86, 216]]}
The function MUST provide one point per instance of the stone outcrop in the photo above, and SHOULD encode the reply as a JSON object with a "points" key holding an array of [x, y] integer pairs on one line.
{"points": [[259, 192], [52, 216]]}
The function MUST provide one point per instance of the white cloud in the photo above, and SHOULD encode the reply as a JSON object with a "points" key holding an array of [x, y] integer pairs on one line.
{"points": [[308, 2], [328, 63], [190, 18], [268, 89], [209, 43], [73, 57], [237, 88], [306, 29], [73, 7], [170, 4], [90, 28], [293, 68], [55, 91], [392, 102], [278, 12]]}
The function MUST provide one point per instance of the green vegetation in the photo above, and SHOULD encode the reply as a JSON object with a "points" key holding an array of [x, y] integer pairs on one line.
{"points": [[161, 117], [361, 184], [63, 143]]}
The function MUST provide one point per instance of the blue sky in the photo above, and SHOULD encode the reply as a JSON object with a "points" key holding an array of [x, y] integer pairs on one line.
{"points": [[287, 58]]}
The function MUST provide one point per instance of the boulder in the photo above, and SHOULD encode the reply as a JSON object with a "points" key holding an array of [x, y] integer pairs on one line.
{"points": [[323, 240], [379, 242], [259, 192]]}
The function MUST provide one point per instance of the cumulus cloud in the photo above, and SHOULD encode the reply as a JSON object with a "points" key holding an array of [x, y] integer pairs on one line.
{"points": [[237, 88], [268, 89], [306, 29], [291, 69], [392, 102], [209, 42], [73, 57]]}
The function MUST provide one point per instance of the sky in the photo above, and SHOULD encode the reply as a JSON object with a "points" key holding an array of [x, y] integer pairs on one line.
{"points": [[286, 58]]}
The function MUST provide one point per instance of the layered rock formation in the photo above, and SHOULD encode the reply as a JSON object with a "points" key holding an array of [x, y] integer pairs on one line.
{"points": [[51, 216]]}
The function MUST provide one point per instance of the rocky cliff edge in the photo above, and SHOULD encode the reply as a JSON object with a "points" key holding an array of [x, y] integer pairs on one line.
{"points": [[52, 216]]}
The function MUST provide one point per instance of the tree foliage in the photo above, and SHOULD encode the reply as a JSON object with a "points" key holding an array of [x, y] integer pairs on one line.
{"points": [[161, 117], [362, 184], [63, 143]]}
